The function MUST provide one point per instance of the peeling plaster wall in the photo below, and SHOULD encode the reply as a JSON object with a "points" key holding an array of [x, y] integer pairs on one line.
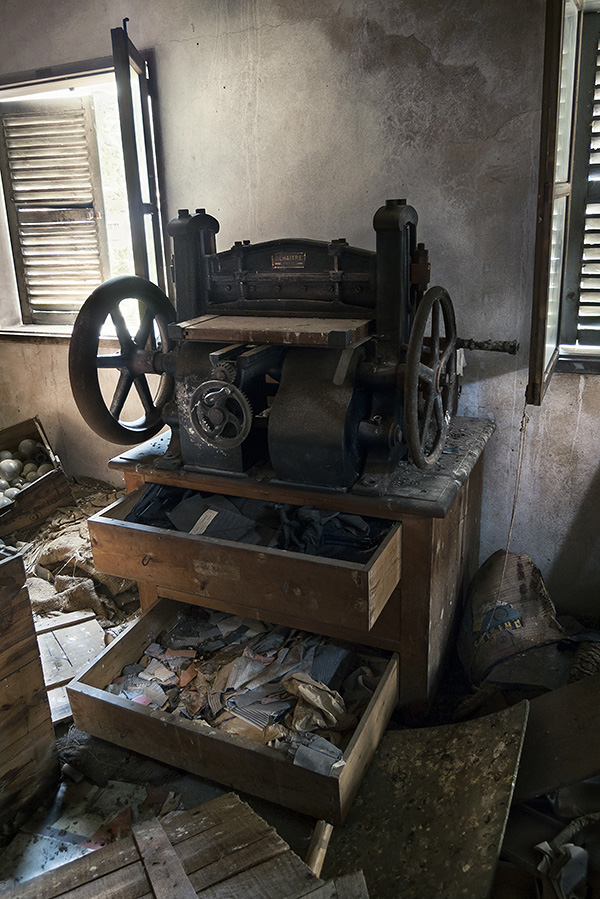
{"points": [[301, 119]]}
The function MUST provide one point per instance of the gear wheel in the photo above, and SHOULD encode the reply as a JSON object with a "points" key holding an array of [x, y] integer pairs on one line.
{"points": [[225, 371], [221, 413]]}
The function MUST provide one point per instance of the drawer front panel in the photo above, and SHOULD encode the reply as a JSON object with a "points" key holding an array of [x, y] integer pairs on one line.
{"points": [[314, 589]]}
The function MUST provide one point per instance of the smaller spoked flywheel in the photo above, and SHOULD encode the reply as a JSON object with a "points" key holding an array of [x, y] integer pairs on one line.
{"points": [[430, 380], [139, 313], [221, 413]]}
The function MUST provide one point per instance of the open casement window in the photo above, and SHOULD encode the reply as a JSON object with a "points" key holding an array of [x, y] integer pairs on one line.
{"points": [[561, 54], [139, 155], [78, 165], [50, 170]]}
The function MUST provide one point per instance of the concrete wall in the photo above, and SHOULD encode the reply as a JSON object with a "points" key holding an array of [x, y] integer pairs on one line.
{"points": [[296, 119]]}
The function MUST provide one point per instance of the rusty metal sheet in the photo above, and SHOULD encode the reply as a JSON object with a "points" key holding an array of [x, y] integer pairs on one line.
{"points": [[431, 813]]}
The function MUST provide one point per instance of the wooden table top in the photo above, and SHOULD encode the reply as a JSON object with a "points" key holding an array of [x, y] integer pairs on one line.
{"points": [[412, 491]]}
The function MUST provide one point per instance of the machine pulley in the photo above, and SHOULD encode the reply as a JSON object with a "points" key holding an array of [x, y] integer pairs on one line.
{"points": [[140, 313]]}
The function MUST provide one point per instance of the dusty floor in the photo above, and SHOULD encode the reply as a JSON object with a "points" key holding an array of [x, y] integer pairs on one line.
{"points": [[100, 762], [372, 839]]}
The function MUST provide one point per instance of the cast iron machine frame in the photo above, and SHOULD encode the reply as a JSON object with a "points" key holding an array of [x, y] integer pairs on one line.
{"points": [[328, 363]]}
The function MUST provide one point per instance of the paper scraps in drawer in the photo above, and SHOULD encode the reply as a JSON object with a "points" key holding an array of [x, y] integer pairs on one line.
{"points": [[159, 672], [257, 681]]}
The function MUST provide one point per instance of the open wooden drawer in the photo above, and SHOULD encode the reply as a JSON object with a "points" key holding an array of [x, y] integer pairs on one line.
{"points": [[225, 758], [268, 583]]}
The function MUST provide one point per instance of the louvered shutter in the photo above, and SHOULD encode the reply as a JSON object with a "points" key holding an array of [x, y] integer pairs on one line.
{"points": [[51, 175], [588, 313]]}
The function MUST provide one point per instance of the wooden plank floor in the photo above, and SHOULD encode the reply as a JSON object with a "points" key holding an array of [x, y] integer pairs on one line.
{"points": [[67, 643], [220, 850]]}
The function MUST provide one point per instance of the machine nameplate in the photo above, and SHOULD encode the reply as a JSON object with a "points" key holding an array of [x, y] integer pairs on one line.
{"points": [[288, 260]]}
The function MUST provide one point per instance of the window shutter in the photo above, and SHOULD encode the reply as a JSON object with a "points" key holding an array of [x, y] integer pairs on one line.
{"points": [[588, 314], [51, 174]]}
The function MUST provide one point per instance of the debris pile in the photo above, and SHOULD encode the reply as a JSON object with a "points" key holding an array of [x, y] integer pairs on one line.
{"points": [[61, 576], [78, 819], [297, 692], [513, 646]]}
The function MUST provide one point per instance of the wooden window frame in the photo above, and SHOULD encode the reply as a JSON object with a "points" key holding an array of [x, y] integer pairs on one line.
{"points": [[146, 253], [583, 194], [541, 369], [148, 246]]}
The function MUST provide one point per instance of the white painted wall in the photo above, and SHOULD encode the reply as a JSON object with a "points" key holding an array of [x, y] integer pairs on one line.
{"points": [[295, 119]]}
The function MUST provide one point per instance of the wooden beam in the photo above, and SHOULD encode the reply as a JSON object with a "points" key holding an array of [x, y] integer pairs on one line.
{"points": [[163, 868]]}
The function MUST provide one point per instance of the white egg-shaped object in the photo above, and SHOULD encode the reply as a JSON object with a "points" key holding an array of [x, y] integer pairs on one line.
{"points": [[10, 468], [5, 500], [45, 468], [29, 466], [31, 476], [12, 492], [5, 454], [4, 485]]}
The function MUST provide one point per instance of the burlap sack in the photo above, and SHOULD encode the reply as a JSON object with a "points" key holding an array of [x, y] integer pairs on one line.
{"points": [[508, 611]]}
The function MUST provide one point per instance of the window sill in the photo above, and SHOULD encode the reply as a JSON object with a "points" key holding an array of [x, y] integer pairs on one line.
{"points": [[37, 331], [579, 365], [55, 334], [46, 333]]}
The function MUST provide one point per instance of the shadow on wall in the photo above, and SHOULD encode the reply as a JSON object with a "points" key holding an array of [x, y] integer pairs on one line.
{"points": [[574, 582]]}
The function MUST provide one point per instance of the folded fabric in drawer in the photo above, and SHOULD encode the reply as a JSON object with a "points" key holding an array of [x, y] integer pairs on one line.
{"points": [[304, 529]]}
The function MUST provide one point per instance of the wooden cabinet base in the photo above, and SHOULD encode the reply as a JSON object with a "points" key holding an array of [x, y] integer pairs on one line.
{"points": [[431, 558]]}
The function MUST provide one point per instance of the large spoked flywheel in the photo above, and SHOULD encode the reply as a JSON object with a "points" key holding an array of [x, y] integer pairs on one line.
{"points": [[430, 381], [140, 313]]}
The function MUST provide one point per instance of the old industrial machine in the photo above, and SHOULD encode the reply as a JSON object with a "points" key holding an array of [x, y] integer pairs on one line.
{"points": [[327, 363]]}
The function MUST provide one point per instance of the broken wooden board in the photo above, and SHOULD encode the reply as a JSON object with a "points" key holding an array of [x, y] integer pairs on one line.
{"points": [[433, 808], [77, 819], [53, 622], [290, 331], [161, 863], [223, 849], [561, 744], [66, 651], [59, 658], [60, 707]]}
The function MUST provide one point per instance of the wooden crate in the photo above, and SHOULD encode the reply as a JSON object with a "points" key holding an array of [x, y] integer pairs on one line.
{"points": [[208, 752], [219, 850], [318, 592], [36, 501], [28, 758]]}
